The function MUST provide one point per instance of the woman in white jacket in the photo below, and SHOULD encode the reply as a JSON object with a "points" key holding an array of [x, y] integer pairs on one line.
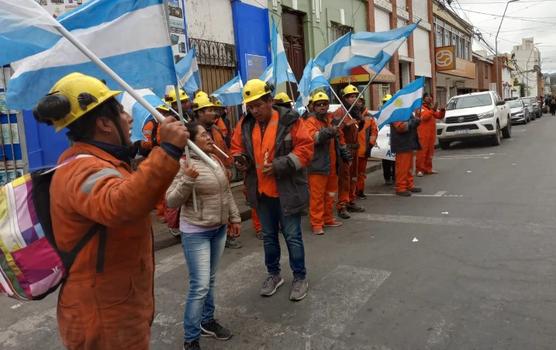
{"points": [[203, 234]]}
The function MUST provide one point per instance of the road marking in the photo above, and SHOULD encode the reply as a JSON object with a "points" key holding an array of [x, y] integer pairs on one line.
{"points": [[468, 156], [439, 194]]}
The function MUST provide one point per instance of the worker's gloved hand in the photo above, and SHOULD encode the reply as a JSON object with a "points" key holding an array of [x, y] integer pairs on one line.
{"points": [[173, 132], [328, 133], [346, 154]]}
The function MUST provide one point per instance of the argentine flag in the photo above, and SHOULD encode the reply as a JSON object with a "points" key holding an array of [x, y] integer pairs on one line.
{"points": [[332, 59], [21, 20], [402, 105], [139, 114], [279, 71], [230, 93], [130, 36], [188, 72], [311, 80]]}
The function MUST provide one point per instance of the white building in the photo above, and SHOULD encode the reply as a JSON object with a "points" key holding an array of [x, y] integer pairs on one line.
{"points": [[528, 60]]}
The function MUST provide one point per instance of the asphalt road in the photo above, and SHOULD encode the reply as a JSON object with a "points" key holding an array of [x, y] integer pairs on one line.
{"points": [[469, 264]]}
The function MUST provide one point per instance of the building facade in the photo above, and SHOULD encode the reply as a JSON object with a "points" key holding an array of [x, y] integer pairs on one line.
{"points": [[455, 69], [527, 59]]}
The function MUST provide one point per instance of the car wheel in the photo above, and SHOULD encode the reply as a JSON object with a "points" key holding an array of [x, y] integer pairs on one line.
{"points": [[497, 138], [507, 131], [444, 144]]}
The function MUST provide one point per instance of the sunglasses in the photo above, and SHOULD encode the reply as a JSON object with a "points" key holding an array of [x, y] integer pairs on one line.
{"points": [[321, 104]]}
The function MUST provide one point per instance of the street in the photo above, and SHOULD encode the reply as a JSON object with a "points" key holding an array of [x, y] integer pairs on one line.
{"points": [[468, 264]]}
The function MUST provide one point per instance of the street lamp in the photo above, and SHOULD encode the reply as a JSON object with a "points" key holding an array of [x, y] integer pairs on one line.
{"points": [[496, 43]]}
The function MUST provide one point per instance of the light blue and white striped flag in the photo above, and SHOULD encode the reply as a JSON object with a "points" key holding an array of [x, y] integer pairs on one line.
{"points": [[311, 80], [375, 49], [402, 105], [332, 59], [230, 93], [139, 113], [21, 20], [188, 72], [279, 71], [105, 27]]}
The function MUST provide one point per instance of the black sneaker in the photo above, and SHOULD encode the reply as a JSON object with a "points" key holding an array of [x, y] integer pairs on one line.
{"points": [[416, 190], [194, 345], [361, 195], [354, 208], [215, 330], [342, 213], [232, 243]]}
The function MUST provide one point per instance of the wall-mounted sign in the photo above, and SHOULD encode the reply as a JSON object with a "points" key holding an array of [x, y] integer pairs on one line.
{"points": [[445, 58]]}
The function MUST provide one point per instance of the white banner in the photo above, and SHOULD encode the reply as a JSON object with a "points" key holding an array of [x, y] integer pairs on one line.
{"points": [[381, 149]]}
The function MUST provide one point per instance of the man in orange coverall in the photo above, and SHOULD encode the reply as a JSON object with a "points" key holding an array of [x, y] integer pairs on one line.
{"points": [[404, 142], [348, 169], [366, 138], [427, 135], [323, 178]]}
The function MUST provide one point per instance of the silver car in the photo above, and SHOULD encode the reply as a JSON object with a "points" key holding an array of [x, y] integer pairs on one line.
{"points": [[519, 112]]}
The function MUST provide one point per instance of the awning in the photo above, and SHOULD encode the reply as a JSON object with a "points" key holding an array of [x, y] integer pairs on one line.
{"points": [[363, 74]]}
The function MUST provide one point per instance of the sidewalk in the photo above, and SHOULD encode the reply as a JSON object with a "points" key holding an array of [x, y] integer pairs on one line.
{"points": [[163, 238]]}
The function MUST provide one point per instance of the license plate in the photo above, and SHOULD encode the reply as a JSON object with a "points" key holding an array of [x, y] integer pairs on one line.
{"points": [[464, 131]]}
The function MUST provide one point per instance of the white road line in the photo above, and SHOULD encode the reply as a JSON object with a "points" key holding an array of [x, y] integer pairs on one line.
{"points": [[439, 194]]}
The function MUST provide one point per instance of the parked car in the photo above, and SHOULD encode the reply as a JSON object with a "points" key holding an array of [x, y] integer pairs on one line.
{"points": [[530, 107], [520, 113], [475, 115], [536, 106]]}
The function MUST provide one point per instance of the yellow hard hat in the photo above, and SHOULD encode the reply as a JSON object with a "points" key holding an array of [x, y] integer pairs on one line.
{"points": [[163, 107], [255, 89], [350, 89], [386, 98], [320, 96], [200, 93], [83, 93], [171, 96], [202, 101], [282, 97], [217, 102]]}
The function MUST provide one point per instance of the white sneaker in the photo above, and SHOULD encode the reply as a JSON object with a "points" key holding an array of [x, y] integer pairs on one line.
{"points": [[420, 174]]}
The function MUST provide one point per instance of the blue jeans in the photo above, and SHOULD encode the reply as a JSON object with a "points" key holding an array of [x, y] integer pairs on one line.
{"points": [[202, 254], [273, 220]]}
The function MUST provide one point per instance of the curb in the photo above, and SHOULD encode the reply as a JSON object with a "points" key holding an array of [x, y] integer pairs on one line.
{"points": [[168, 240]]}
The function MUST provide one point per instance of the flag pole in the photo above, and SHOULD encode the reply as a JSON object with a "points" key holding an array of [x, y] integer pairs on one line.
{"points": [[342, 103], [156, 114], [359, 96]]}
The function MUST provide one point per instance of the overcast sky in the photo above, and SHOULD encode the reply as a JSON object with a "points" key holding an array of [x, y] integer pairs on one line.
{"points": [[524, 18]]}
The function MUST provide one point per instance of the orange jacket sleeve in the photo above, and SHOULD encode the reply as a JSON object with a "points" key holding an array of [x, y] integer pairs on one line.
{"points": [[107, 197], [374, 131], [303, 145], [237, 148], [148, 131], [401, 126]]}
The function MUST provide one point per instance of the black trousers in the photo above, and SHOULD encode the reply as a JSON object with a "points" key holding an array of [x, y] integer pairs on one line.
{"points": [[389, 169]]}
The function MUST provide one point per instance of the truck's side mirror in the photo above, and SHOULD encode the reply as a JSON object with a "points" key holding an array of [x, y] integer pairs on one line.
{"points": [[500, 103]]}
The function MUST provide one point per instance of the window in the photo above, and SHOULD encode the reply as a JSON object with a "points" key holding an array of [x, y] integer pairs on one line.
{"points": [[469, 101], [338, 30], [439, 35], [446, 37]]}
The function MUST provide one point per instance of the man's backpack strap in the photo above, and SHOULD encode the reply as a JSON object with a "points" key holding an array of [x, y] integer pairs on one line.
{"points": [[68, 258]]}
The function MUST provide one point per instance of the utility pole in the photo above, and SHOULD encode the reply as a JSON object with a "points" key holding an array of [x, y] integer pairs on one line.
{"points": [[496, 47]]}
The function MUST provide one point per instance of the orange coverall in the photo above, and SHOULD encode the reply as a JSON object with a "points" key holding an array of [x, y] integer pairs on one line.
{"points": [[323, 187], [366, 138], [347, 174], [427, 137], [404, 164], [112, 309]]}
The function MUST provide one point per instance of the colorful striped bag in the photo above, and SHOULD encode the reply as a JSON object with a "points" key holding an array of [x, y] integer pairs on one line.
{"points": [[31, 266]]}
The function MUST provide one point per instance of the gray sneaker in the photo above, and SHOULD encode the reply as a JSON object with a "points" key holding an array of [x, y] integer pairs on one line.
{"points": [[233, 243], [271, 285], [299, 289]]}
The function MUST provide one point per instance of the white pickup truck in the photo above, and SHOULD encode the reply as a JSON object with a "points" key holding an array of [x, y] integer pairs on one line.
{"points": [[475, 115]]}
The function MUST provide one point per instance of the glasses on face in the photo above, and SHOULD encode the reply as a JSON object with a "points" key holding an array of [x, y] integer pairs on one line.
{"points": [[321, 104]]}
